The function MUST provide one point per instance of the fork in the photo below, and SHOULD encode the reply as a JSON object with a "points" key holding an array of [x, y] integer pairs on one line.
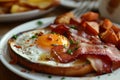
{"points": [[85, 5]]}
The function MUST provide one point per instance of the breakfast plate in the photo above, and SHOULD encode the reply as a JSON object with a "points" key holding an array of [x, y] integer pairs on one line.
{"points": [[23, 15], [73, 3], [5, 58]]}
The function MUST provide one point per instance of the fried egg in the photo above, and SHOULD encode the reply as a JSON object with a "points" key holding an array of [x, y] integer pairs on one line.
{"points": [[36, 46]]}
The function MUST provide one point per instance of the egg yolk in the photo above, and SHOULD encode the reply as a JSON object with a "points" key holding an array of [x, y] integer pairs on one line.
{"points": [[47, 41]]}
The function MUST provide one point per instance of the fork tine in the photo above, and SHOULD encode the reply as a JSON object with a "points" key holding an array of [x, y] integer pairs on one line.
{"points": [[82, 5], [86, 6], [92, 6]]}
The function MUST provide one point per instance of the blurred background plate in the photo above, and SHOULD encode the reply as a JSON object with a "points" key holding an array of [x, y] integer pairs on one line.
{"points": [[74, 3], [23, 15]]}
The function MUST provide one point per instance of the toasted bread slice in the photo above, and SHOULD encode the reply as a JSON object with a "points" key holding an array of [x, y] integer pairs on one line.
{"points": [[77, 68]]}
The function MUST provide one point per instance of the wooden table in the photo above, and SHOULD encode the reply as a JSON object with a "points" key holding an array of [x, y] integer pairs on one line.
{"points": [[6, 74]]}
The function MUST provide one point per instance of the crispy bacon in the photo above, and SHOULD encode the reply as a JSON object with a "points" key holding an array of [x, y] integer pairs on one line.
{"points": [[99, 65], [61, 29], [75, 22], [60, 55], [106, 54], [91, 48]]}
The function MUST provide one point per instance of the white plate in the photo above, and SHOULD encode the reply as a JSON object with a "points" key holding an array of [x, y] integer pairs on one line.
{"points": [[23, 15], [5, 58], [73, 4]]}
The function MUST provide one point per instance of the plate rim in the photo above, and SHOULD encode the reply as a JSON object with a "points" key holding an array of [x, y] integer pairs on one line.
{"points": [[20, 16]]}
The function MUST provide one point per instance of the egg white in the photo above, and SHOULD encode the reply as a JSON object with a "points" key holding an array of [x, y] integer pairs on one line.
{"points": [[33, 53]]}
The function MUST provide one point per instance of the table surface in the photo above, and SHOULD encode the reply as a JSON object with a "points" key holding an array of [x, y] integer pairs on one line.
{"points": [[6, 74]]}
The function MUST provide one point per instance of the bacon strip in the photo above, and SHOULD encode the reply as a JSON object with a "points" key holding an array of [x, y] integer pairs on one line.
{"points": [[103, 57], [60, 55], [106, 55], [61, 29]]}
